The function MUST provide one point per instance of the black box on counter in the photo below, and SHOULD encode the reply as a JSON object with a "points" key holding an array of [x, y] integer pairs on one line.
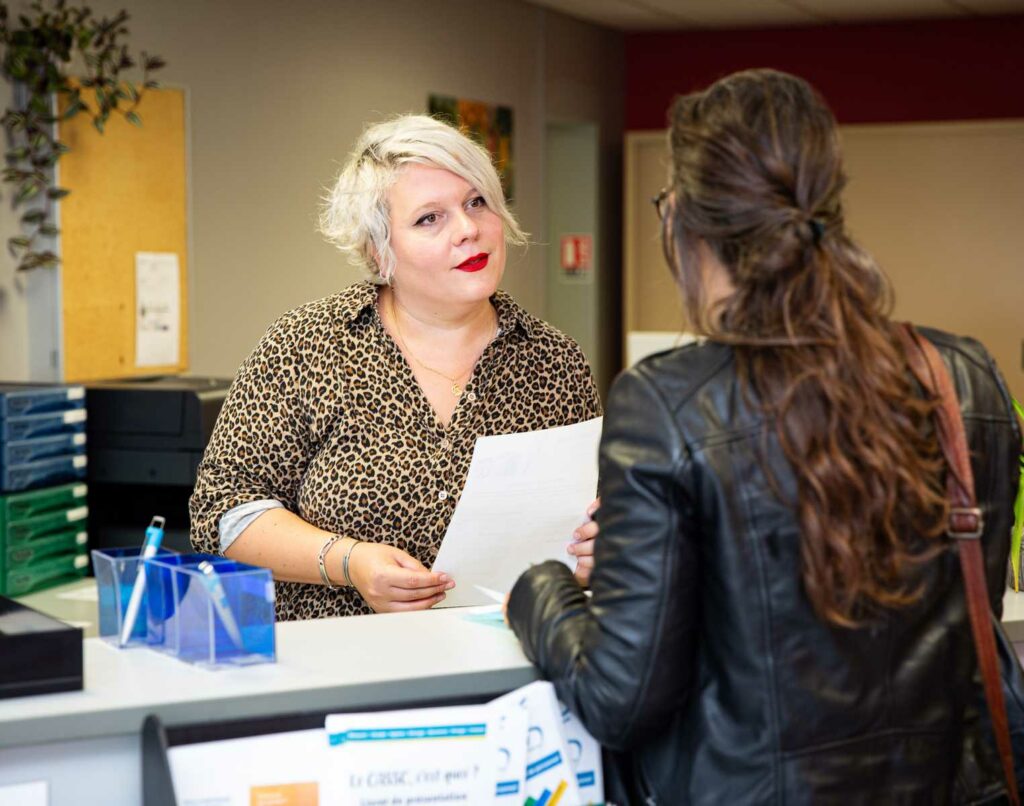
{"points": [[38, 654]]}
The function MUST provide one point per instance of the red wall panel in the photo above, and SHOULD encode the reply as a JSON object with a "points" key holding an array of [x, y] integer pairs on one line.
{"points": [[963, 69]]}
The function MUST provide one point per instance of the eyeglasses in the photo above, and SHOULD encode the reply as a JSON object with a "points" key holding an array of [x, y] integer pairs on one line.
{"points": [[659, 202]]}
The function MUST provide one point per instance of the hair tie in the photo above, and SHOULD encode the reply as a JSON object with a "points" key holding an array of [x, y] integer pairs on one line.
{"points": [[817, 230]]}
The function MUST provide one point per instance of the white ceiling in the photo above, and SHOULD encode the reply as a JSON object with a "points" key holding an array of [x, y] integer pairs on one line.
{"points": [[649, 15]]}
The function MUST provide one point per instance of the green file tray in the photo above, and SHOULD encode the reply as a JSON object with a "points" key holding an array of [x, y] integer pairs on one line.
{"points": [[18, 532], [32, 551], [18, 506], [49, 572]]}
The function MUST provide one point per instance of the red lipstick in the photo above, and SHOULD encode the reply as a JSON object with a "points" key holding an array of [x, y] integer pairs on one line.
{"points": [[475, 263]]}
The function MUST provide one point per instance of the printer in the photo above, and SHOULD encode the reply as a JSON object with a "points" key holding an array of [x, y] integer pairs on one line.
{"points": [[146, 437]]}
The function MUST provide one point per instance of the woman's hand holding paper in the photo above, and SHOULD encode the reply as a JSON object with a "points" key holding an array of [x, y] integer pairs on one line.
{"points": [[391, 580], [582, 545]]}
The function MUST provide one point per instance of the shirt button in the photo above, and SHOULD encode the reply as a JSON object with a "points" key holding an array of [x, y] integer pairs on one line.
{"points": [[446, 443], [472, 397], [442, 496]]}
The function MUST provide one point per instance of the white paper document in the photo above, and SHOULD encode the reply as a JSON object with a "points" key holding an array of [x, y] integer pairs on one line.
{"points": [[507, 751], [525, 494], [464, 754], [584, 758], [276, 769], [157, 309], [550, 776]]}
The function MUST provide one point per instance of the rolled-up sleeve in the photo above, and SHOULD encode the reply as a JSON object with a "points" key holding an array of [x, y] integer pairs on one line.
{"points": [[623, 660], [262, 442]]}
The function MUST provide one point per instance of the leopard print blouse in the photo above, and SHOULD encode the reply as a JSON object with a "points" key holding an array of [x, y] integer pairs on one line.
{"points": [[326, 417]]}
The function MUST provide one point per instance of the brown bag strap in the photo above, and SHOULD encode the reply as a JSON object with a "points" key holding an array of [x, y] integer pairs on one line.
{"points": [[966, 526]]}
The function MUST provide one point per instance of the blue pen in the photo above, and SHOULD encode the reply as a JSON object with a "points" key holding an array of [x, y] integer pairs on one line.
{"points": [[219, 598], [154, 535]]}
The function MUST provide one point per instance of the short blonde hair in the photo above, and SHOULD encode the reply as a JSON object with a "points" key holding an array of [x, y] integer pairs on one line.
{"points": [[355, 215]]}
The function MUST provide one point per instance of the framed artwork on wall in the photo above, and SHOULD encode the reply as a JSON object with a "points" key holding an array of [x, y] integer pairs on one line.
{"points": [[488, 124]]}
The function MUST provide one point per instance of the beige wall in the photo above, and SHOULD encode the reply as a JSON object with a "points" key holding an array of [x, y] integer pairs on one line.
{"points": [[278, 92], [939, 205], [584, 84]]}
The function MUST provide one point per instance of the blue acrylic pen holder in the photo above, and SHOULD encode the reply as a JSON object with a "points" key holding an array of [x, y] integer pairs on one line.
{"points": [[210, 611], [116, 571]]}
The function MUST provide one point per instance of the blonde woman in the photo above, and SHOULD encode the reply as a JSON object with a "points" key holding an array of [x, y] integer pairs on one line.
{"points": [[345, 441]]}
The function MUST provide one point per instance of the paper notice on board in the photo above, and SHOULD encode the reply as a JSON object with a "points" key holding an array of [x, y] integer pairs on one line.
{"points": [[157, 309]]}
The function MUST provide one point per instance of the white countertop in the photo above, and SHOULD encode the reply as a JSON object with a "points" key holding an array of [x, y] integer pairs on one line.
{"points": [[389, 660], [341, 663]]}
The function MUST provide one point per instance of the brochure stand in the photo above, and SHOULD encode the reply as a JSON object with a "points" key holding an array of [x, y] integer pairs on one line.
{"points": [[157, 787], [157, 739], [510, 750]]}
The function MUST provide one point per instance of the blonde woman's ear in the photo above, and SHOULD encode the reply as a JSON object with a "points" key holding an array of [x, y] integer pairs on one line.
{"points": [[375, 258]]}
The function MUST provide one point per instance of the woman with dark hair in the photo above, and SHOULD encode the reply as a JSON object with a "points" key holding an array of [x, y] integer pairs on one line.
{"points": [[776, 615]]}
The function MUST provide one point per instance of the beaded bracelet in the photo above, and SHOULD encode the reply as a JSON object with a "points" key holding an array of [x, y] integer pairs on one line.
{"points": [[323, 565]]}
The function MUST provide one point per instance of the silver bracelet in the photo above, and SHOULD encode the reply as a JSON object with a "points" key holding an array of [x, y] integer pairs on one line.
{"points": [[344, 562], [323, 565]]}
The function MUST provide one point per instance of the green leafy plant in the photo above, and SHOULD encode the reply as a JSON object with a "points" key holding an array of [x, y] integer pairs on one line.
{"points": [[40, 49], [1017, 535]]}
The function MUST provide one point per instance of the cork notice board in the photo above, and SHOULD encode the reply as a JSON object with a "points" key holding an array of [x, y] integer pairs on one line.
{"points": [[127, 196]]}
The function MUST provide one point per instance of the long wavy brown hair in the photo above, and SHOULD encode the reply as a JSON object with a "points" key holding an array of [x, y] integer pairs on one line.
{"points": [[756, 179]]}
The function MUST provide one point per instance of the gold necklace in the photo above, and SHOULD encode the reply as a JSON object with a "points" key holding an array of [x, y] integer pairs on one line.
{"points": [[457, 388]]}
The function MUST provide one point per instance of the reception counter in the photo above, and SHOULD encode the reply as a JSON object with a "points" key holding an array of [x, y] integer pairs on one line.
{"points": [[86, 744]]}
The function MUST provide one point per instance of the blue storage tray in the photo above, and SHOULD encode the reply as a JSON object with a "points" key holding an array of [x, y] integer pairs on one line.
{"points": [[116, 571], [55, 470], [19, 400], [219, 620], [32, 450], [15, 429]]}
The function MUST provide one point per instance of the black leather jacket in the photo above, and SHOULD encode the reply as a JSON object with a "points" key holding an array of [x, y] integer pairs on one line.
{"points": [[699, 654]]}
